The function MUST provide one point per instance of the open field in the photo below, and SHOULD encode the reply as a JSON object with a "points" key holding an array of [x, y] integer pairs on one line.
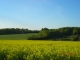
{"points": [[39, 50], [16, 36]]}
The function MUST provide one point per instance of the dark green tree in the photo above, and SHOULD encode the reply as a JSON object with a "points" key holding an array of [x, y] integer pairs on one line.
{"points": [[75, 31]]}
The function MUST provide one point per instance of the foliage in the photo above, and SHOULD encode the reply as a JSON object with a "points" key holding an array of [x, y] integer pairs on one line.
{"points": [[16, 31], [75, 31], [75, 37], [43, 34], [61, 33], [64, 33]]}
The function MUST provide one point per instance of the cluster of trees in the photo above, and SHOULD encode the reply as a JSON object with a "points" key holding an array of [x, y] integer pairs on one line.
{"points": [[65, 33], [16, 31]]}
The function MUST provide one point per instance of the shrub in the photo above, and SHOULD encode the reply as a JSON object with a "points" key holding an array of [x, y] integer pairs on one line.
{"points": [[74, 37]]}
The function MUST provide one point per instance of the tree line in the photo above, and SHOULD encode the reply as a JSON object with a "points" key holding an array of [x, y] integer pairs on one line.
{"points": [[65, 33], [16, 31]]}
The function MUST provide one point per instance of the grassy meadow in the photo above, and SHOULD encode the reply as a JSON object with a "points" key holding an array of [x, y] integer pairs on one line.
{"points": [[16, 36]]}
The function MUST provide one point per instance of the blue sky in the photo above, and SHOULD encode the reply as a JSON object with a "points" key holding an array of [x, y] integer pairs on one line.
{"points": [[37, 14]]}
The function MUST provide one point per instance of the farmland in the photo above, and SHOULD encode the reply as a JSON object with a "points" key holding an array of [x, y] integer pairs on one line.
{"points": [[16, 36], [17, 47], [39, 50]]}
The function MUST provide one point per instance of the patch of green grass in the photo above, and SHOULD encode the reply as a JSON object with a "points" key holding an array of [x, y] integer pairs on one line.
{"points": [[16, 36]]}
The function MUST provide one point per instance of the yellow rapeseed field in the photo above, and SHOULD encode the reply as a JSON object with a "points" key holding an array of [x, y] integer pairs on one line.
{"points": [[39, 50]]}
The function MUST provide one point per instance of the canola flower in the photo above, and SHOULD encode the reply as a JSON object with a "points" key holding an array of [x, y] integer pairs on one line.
{"points": [[50, 51]]}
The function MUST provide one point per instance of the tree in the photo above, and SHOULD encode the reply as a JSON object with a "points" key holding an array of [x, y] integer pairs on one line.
{"points": [[75, 37], [44, 32], [75, 31]]}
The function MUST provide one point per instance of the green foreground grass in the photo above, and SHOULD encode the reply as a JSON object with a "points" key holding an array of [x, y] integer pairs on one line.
{"points": [[39, 50]]}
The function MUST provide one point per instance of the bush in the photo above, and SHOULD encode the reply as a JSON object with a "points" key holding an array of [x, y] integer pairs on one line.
{"points": [[75, 37]]}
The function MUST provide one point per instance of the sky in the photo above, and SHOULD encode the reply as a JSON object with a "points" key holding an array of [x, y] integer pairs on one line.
{"points": [[37, 14]]}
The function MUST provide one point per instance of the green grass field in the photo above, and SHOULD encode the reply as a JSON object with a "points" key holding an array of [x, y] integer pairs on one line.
{"points": [[39, 50], [16, 36]]}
